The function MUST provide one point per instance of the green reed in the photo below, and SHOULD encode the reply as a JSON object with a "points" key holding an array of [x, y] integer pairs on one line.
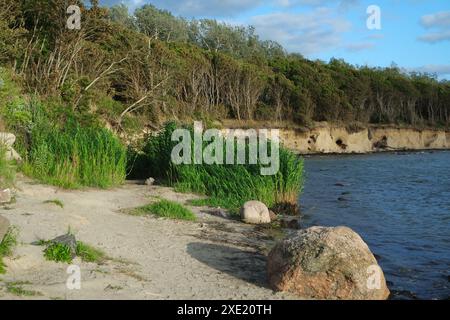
{"points": [[75, 157], [228, 186]]}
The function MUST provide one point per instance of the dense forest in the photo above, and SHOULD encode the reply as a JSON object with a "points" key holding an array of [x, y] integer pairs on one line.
{"points": [[133, 70]]}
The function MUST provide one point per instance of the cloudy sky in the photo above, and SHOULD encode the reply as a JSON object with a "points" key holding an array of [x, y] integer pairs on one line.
{"points": [[415, 34]]}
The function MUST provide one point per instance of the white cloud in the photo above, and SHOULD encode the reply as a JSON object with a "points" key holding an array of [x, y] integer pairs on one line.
{"points": [[436, 20], [440, 70], [307, 33], [315, 3], [191, 8], [224, 8], [435, 37], [439, 23]]}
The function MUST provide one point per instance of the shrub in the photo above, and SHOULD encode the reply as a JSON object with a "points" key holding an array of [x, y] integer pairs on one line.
{"points": [[167, 209]]}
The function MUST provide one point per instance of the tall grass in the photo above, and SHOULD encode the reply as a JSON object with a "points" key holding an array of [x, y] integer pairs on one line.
{"points": [[74, 157], [228, 186]]}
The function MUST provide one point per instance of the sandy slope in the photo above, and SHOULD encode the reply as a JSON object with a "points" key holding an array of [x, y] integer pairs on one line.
{"points": [[153, 258]]}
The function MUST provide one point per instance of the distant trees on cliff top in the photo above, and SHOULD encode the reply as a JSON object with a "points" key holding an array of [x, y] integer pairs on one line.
{"points": [[151, 66]]}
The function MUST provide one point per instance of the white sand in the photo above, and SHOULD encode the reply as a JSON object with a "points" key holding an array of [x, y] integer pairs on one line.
{"points": [[153, 258]]}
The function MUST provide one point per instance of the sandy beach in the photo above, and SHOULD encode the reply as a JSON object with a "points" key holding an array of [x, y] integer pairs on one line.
{"points": [[149, 258]]}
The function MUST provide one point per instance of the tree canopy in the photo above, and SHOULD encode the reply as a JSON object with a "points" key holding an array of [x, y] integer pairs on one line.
{"points": [[149, 66]]}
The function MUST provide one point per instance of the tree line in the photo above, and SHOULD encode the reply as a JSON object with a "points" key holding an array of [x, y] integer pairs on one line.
{"points": [[144, 68]]}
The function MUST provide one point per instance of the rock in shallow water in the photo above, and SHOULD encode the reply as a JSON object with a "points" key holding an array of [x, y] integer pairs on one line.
{"points": [[326, 263], [255, 212]]}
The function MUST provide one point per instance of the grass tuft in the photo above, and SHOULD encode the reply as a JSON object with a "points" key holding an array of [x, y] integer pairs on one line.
{"points": [[58, 252], [56, 202], [7, 245], [88, 253], [16, 288], [166, 209]]}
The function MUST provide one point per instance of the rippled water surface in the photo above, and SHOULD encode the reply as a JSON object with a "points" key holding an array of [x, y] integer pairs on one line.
{"points": [[399, 204]]}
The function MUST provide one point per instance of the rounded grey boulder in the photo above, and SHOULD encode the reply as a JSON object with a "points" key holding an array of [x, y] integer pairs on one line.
{"points": [[255, 212]]}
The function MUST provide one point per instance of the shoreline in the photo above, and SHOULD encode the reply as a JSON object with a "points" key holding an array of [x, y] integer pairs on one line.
{"points": [[402, 151]]}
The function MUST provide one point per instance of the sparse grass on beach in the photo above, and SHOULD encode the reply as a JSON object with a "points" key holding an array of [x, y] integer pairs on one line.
{"points": [[56, 202], [88, 253], [7, 245], [59, 252], [16, 288], [166, 209]]}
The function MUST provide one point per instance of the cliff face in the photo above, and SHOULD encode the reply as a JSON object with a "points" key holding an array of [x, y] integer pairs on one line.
{"points": [[327, 139]]}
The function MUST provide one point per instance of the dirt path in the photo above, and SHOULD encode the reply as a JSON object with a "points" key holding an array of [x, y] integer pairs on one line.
{"points": [[152, 258]]}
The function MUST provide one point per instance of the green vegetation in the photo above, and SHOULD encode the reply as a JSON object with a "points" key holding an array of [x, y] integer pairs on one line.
{"points": [[17, 289], [76, 157], [228, 186], [7, 245], [58, 252], [7, 170], [231, 186], [131, 72], [56, 202], [88, 253], [166, 209], [156, 65]]}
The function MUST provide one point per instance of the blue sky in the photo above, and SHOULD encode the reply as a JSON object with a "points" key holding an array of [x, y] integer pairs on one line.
{"points": [[415, 34]]}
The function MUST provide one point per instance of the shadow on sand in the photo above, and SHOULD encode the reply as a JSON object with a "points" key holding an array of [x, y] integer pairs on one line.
{"points": [[245, 265]]}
